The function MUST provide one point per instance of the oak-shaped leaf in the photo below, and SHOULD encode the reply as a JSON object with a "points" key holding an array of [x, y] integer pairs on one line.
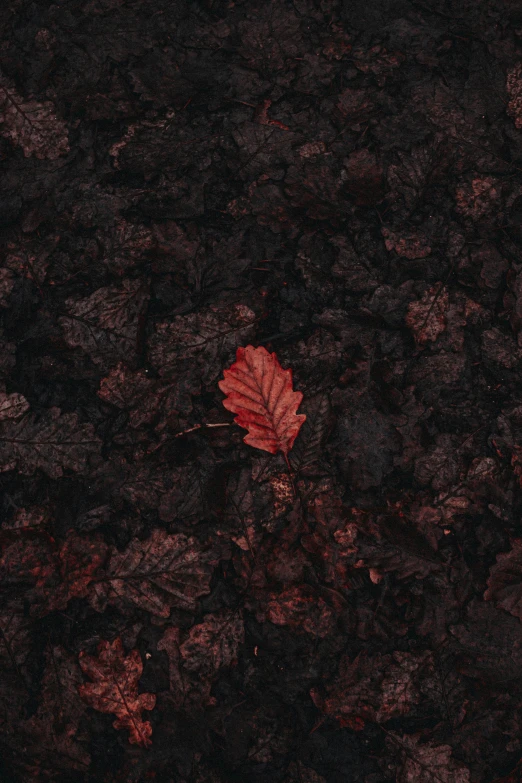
{"points": [[514, 90], [114, 689], [52, 442], [76, 563], [31, 125], [155, 575], [505, 580], [260, 392], [106, 323], [490, 640]]}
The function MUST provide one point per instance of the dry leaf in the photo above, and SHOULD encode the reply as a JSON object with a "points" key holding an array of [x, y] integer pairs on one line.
{"points": [[52, 442], [427, 317], [260, 392], [31, 125], [156, 574], [114, 688]]}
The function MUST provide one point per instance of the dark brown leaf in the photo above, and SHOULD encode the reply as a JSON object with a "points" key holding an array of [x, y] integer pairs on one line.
{"points": [[156, 574], [53, 442]]}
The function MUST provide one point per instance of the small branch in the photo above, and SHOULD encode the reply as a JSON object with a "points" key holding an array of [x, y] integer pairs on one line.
{"points": [[202, 427]]}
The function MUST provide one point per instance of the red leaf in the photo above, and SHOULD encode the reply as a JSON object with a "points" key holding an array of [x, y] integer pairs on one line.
{"points": [[115, 689], [260, 392]]}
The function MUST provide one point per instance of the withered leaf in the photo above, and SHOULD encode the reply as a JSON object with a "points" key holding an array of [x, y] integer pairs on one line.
{"points": [[428, 763], [156, 574], [307, 450], [298, 773], [7, 281], [53, 442], [76, 564], [12, 406], [514, 90], [427, 317], [214, 643], [187, 691], [260, 392], [105, 324], [114, 689], [300, 608], [31, 125], [200, 340], [375, 688]]}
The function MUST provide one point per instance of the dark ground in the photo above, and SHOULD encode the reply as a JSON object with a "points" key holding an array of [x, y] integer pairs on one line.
{"points": [[342, 184]]}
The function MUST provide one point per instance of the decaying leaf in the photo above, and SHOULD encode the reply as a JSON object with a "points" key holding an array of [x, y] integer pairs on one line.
{"points": [[105, 324], [114, 688], [300, 608], [31, 125], [214, 643], [200, 340], [53, 442], [15, 643], [12, 406], [374, 688], [156, 574], [428, 763], [427, 317], [260, 392]]}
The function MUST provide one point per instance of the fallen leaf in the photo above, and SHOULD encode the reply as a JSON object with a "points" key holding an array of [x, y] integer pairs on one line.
{"points": [[12, 406], [300, 608], [213, 643], [260, 392], [427, 317], [52, 442], [114, 688], [106, 324], [31, 125], [155, 574], [429, 763]]}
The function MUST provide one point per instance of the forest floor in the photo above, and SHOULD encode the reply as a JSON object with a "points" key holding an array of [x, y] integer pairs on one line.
{"points": [[339, 183]]}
